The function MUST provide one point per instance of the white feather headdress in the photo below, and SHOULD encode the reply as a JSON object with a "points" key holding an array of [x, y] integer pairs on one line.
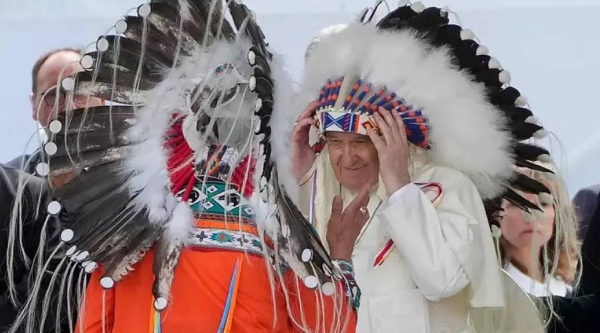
{"points": [[475, 122]]}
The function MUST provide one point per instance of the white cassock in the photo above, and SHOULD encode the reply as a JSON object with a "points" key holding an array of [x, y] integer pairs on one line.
{"points": [[443, 262]]}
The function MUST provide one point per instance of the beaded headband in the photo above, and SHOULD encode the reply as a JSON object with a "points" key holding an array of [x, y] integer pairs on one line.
{"points": [[347, 107]]}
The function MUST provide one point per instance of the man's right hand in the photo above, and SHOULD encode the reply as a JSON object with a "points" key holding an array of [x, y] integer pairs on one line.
{"points": [[345, 225], [303, 153]]}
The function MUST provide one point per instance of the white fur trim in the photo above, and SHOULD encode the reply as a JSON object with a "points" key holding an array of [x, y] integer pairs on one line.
{"points": [[282, 123], [322, 34], [467, 132], [265, 215], [181, 222]]}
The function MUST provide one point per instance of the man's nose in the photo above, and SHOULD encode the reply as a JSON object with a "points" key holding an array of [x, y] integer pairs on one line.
{"points": [[348, 153]]}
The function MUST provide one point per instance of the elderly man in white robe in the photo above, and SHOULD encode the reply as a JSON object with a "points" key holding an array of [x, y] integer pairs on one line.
{"points": [[415, 241], [397, 193]]}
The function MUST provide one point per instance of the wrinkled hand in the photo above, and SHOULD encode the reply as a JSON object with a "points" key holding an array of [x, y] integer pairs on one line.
{"points": [[345, 226], [392, 148], [303, 154]]}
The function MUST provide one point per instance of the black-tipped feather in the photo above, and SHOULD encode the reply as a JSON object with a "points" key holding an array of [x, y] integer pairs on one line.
{"points": [[152, 38], [100, 212], [93, 129], [530, 152], [304, 237], [429, 19], [526, 184], [131, 50], [117, 267], [242, 17], [517, 200], [166, 19], [101, 84], [165, 260], [194, 20], [396, 18], [127, 59], [524, 131], [517, 114], [66, 164], [532, 166], [432, 25], [507, 96], [88, 186]]}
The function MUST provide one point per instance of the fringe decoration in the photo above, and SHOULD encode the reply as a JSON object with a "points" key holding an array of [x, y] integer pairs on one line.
{"points": [[227, 319], [155, 321]]}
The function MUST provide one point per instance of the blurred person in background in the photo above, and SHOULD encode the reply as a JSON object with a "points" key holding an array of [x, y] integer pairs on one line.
{"points": [[582, 313], [586, 203], [48, 98], [540, 251]]}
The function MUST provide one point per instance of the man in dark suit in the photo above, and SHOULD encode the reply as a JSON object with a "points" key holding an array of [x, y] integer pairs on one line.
{"points": [[33, 222], [47, 99]]}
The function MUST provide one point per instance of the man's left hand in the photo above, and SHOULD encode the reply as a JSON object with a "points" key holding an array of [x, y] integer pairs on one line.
{"points": [[392, 148]]}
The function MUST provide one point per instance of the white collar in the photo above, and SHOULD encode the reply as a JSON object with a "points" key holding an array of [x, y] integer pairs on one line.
{"points": [[552, 286]]}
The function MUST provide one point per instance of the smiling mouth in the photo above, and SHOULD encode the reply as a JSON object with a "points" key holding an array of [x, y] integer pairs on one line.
{"points": [[353, 169]]}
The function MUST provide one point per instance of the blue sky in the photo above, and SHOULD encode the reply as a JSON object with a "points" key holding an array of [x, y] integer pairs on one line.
{"points": [[551, 48]]}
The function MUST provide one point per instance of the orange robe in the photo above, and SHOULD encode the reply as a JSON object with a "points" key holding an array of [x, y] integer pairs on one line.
{"points": [[199, 294]]}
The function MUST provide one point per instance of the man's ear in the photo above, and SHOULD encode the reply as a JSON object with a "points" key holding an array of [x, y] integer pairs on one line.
{"points": [[34, 107]]}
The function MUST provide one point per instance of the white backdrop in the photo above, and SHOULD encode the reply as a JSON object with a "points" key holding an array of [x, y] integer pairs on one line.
{"points": [[551, 48]]}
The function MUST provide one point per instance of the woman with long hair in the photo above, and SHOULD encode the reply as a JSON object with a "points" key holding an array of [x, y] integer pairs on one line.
{"points": [[540, 250]]}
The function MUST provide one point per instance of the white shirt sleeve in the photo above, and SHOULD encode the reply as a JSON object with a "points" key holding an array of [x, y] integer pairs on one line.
{"points": [[440, 244]]}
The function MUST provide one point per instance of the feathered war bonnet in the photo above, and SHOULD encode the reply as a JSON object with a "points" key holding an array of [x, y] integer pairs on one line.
{"points": [[207, 59], [454, 98]]}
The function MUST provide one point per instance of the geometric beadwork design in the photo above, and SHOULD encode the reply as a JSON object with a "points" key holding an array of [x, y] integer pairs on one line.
{"points": [[349, 108], [219, 199], [225, 240]]}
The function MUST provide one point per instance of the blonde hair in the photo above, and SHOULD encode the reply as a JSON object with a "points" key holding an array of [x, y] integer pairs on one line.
{"points": [[561, 255]]}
